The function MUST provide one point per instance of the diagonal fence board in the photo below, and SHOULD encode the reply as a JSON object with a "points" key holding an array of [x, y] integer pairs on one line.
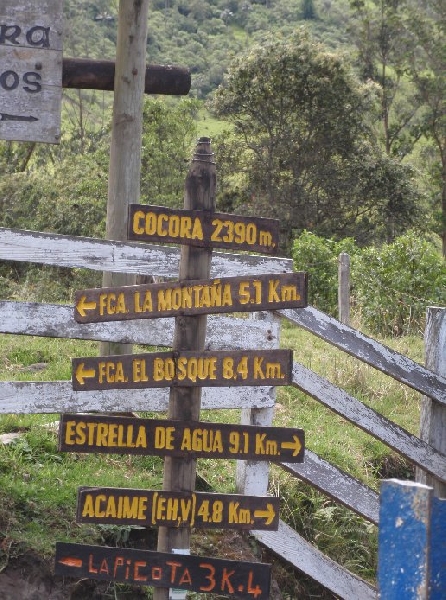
{"points": [[118, 257], [368, 350], [337, 484], [35, 397], [57, 321], [289, 545], [369, 420]]}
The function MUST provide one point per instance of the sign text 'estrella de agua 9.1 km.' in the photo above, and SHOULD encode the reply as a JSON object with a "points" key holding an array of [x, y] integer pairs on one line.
{"points": [[122, 506], [235, 579], [202, 228], [225, 295], [186, 368], [195, 439]]}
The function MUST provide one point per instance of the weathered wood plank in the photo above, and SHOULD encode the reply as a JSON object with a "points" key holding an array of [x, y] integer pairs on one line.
{"points": [[31, 70], [57, 320], [289, 545], [369, 351], [35, 397], [369, 420], [118, 257], [337, 484]]}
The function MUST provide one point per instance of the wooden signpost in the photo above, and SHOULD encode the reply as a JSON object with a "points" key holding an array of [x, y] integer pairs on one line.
{"points": [[192, 297], [30, 70], [182, 438], [194, 439], [198, 228], [146, 508], [144, 567], [167, 369]]}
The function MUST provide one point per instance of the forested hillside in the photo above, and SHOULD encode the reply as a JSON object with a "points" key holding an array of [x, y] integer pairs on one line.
{"points": [[328, 115]]}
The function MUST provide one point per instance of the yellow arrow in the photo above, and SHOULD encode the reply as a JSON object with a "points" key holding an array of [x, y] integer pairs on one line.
{"points": [[71, 562], [82, 373], [267, 514], [83, 306], [294, 445]]}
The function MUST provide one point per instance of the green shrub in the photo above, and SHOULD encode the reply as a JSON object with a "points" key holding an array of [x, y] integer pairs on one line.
{"points": [[319, 258], [394, 284]]}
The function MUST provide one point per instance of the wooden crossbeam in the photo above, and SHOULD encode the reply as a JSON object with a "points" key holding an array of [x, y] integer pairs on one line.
{"points": [[86, 73]]}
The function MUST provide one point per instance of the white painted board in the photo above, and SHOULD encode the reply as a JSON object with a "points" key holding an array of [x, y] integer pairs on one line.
{"points": [[30, 70]]}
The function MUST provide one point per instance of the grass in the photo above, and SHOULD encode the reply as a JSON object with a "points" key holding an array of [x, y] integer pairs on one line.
{"points": [[38, 485]]}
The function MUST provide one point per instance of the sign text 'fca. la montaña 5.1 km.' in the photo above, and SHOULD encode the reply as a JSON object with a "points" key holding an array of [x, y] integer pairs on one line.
{"points": [[232, 578], [225, 295], [202, 228], [148, 508], [183, 368], [111, 434]]}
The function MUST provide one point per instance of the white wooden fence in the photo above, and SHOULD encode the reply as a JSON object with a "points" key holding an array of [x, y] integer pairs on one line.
{"points": [[256, 403]]}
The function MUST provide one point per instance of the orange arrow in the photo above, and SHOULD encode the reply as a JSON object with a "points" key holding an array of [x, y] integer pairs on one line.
{"points": [[82, 306], [267, 514], [295, 445], [82, 373], [71, 562]]}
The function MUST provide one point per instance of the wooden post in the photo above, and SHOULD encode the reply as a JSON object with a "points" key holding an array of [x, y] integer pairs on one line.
{"points": [[404, 539], [433, 414], [125, 150], [344, 288], [251, 477], [190, 332]]}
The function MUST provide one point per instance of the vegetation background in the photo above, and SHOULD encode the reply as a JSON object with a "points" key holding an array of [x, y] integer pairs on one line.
{"points": [[328, 115]]}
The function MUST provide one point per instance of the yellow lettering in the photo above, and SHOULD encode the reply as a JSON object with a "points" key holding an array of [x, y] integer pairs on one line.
{"points": [[273, 296], [80, 432], [130, 508], [197, 231], [101, 434], [139, 370], [186, 443], [88, 507], [69, 433], [112, 434], [161, 220], [227, 297], [142, 507], [141, 438], [137, 225], [186, 226], [111, 507], [165, 299]]}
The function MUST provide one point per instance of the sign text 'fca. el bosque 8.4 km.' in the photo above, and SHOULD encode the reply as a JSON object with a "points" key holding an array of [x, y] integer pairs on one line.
{"points": [[187, 369], [225, 295], [121, 506], [202, 228], [127, 435], [235, 579]]}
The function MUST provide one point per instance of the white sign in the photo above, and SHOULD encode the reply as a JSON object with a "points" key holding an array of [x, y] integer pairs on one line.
{"points": [[30, 70]]}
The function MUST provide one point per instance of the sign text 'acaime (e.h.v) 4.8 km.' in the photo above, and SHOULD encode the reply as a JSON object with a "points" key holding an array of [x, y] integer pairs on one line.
{"points": [[147, 508]]}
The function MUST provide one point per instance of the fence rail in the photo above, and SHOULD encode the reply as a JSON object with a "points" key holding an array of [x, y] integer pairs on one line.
{"points": [[50, 320]]}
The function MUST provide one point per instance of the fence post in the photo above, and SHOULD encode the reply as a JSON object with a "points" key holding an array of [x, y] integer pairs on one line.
{"points": [[404, 538], [344, 288], [125, 149], [433, 414], [251, 478]]}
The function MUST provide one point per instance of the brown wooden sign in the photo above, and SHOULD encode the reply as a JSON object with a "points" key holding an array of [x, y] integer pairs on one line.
{"points": [[196, 439], [30, 70], [225, 295], [201, 228], [176, 509], [187, 369], [230, 578]]}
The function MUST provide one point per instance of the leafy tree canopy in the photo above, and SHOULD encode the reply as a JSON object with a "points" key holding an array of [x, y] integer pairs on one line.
{"points": [[303, 129]]}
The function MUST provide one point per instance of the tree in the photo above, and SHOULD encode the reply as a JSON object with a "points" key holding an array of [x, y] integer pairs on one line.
{"points": [[384, 45], [169, 132], [303, 125], [427, 22]]}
